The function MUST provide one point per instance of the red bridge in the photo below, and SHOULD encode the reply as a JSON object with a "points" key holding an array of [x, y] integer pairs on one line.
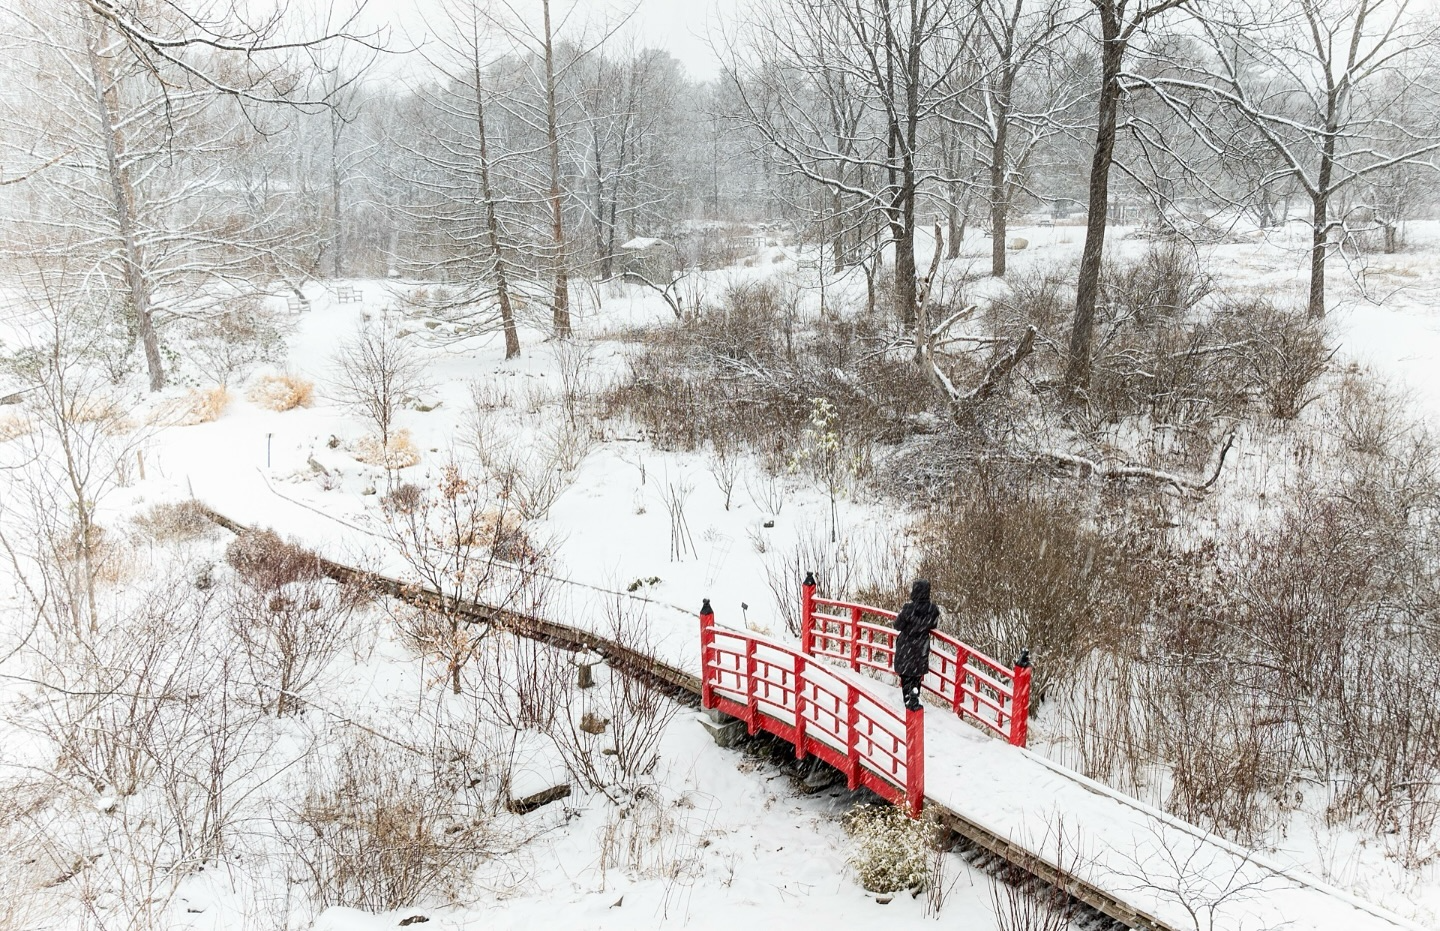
{"points": [[824, 713]]}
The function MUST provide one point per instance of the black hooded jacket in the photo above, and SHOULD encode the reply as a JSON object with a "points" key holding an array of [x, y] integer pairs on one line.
{"points": [[915, 621]]}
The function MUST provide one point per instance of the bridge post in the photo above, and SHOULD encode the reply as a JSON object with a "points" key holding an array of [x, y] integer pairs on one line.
{"points": [[915, 761], [752, 710], [852, 737], [1020, 701], [855, 638], [799, 707], [707, 644], [962, 661], [807, 615]]}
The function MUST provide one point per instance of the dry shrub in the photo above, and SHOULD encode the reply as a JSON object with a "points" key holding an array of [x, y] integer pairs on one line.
{"points": [[288, 635], [746, 374], [1021, 901], [1043, 297], [652, 837], [1021, 566], [242, 335], [176, 521], [1166, 283], [267, 562], [1284, 353], [1369, 417], [203, 406], [14, 426], [281, 392], [400, 453], [381, 830], [622, 756], [891, 852]]}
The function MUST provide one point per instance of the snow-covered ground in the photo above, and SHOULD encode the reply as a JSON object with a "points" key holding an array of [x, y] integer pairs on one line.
{"points": [[735, 839]]}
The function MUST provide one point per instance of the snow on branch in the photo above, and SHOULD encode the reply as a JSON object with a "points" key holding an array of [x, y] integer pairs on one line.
{"points": [[1124, 473]]}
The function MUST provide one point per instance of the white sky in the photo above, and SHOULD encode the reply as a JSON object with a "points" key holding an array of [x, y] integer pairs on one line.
{"points": [[680, 26]]}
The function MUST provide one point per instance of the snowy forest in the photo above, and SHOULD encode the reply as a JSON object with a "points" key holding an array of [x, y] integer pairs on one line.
{"points": [[336, 349]]}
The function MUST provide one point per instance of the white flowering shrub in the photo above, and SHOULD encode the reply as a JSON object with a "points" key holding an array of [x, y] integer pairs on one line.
{"points": [[890, 851]]}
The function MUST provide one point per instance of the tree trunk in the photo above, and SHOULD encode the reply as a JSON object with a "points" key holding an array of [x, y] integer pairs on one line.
{"points": [[956, 222], [492, 224], [1320, 217], [337, 231], [999, 180], [1087, 290], [1319, 239], [597, 206], [560, 304], [903, 234], [122, 196]]}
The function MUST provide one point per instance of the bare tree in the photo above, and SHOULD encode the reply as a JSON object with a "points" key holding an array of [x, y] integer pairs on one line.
{"points": [[74, 456], [1328, 87], [375, 371], [1120, 24], [1018, 103], [461, 178], [841, 92], [145, 188]]}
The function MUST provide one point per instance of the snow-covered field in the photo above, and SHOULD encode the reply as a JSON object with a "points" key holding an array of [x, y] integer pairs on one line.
{"points": [[722, 838]]}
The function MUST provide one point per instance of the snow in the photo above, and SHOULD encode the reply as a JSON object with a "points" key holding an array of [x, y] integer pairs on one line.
{"points": [[641, 243], [740, 844]]}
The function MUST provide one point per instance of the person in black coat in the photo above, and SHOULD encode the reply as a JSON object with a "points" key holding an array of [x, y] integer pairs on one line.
{"points": [[912, 647]]}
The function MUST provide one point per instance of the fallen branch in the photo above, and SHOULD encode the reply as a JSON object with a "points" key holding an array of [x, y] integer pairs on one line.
{"points": [[1122, 473], [1002, 367]]}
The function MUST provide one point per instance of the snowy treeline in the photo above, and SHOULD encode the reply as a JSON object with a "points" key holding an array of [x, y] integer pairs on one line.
{"points": [[1031, 297]]}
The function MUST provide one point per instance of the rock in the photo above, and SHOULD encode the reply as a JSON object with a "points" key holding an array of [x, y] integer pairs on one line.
{"points": [[523, 806], [768, 523], [726, 731], [885, 899], [1018, 244], [413, 920]]}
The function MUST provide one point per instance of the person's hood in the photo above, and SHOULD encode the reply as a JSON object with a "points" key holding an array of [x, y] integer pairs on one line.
{"points": [[920, 591]]}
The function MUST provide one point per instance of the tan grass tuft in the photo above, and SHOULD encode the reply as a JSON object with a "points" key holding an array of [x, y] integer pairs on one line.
{"points": [[400, 454], [282, 392], [204, 406], [13, 426]]}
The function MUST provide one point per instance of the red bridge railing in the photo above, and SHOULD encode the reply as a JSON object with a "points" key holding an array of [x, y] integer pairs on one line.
{"points": [[776, 689], [976, 687]]}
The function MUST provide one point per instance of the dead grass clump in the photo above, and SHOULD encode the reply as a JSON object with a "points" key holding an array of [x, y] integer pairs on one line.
{"points": [[14, 426], [266, 561], [103, 411], [380, 830], [204, 406], [175, 521], [400, 453], [281, 392]]}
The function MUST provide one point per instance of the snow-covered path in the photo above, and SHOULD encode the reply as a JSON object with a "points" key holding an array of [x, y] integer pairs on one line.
{"points": [[1159, 865]]}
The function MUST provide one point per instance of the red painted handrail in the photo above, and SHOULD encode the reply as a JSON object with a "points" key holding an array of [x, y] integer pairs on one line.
{"points": [[774, 688], [976, 687]]}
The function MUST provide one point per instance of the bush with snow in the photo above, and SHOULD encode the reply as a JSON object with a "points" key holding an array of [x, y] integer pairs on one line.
{"points": [[891, 851]]}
